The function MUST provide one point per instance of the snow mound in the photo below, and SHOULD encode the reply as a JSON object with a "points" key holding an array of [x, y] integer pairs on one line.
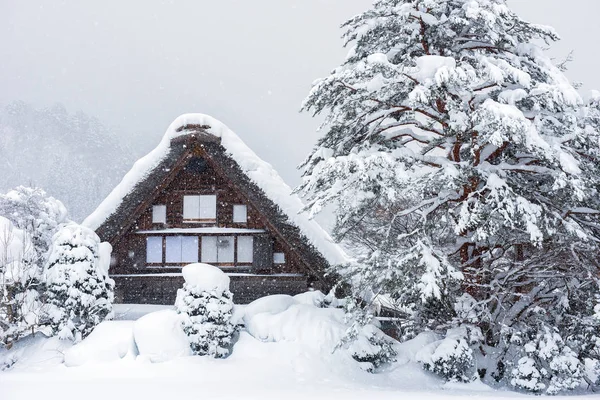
{"points": [[321, 328], [34, 352], [109, 341], [259, 171], [206, 277], [273, 304], [159, 336], [410, 351], [280, 317]]}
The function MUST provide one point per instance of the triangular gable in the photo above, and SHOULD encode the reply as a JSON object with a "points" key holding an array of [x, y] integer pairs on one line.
{"points": [[134, 195]]}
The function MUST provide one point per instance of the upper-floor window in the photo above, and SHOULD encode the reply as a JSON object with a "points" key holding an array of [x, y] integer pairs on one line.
{"points": [[240, 213], [159, 214], [201, 208], [279, 258]]}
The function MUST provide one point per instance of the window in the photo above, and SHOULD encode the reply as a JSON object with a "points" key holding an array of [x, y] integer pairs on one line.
{"points": [[202, 207], [279, 258], [217, 249], [245, 249], [240, 213], [159, 214], [154, 249], [181, 249], [209, 249], [225, 250]]}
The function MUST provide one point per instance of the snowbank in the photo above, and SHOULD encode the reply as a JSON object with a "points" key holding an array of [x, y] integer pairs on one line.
{"points": [[259, 171], [298, 319], [109, 341], [270, 304], [159, 336], [34, 352], [206, 277], [320, 328]]}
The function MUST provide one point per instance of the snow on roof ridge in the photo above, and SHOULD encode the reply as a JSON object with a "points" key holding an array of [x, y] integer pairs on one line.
{"points": [[259, 172]]}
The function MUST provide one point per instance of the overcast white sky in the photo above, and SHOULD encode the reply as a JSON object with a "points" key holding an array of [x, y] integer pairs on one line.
{"points": [[138, 64]]}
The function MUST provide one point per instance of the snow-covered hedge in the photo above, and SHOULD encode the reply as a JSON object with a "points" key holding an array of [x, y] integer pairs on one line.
{"points": [[206, 306], [307, 320]]}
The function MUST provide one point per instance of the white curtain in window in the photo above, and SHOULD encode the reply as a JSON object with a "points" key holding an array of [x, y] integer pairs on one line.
{"points": [[154, 249], [181, 249], [208, 207], [189, 249], [245, 249], [173, 249], [191, 207], [240, 213], [209, 249], [279, 258], [159, 214], [225, 250]]}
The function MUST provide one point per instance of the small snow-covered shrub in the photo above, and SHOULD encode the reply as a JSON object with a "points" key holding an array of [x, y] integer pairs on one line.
{"points": [[366, 343], [79, 292], [452, 357], [206, 306], [544, 363]]}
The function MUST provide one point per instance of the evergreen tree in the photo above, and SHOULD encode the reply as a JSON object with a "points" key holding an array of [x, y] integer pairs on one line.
{"points": [[79, 292], [461, 161], [206, 306]]}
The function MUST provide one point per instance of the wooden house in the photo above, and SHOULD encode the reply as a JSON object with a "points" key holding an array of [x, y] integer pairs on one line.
{"points": [[203, 196]]}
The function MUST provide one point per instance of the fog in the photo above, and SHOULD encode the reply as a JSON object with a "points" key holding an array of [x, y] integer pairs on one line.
{"points": [[137, 65]]}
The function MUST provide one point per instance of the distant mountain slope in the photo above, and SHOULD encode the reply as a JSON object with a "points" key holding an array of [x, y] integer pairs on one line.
{"points": [[72, 156]]}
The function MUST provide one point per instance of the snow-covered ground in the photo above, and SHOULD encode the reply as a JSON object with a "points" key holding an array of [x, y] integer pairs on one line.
{"points": [[122, 360]]}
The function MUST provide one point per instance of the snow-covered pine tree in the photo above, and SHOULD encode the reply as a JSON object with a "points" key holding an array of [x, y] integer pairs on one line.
{"points": [[461, 160], [79, 293], [206, 307]]}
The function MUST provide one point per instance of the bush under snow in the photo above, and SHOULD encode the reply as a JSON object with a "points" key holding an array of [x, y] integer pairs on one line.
{"points": [[79, 291], [285, 318], [452, 357], [206, 306], [159, 336]]}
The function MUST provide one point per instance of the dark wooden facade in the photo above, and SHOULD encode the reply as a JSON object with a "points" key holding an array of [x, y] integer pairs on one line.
{"points": [[282, 261]]}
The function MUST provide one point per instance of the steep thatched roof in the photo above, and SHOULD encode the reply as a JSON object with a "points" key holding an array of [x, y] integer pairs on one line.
{"points": [[256, 179]]}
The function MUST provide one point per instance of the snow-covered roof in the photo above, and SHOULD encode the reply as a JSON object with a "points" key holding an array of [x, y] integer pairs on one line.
{"points": [[258, 171]]}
